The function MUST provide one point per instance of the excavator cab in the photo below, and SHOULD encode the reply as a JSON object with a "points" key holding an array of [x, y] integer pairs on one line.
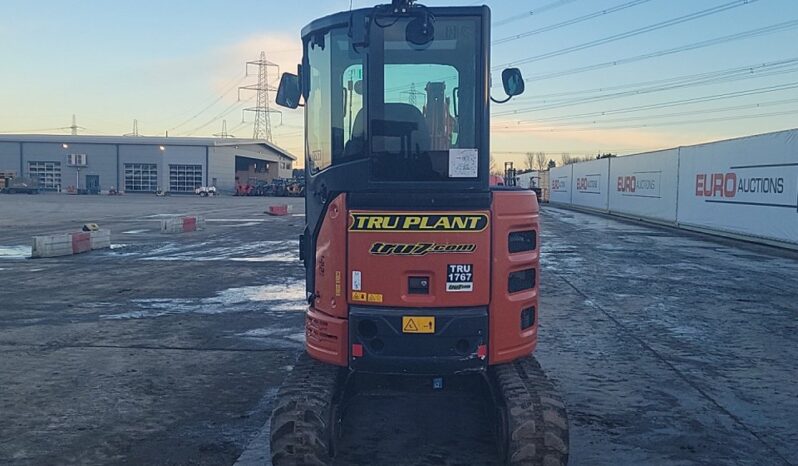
{"points": [[415, 265]]}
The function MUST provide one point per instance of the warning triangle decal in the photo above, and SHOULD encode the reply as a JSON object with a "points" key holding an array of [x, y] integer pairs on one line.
{"points": [[410, 326]]}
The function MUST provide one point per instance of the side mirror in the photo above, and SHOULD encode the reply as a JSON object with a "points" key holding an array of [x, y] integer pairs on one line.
{"points": [[290, 91], [513, 82]]}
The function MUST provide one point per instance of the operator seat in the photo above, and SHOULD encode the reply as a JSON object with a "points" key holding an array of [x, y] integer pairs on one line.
{"points": [[401, 141]]}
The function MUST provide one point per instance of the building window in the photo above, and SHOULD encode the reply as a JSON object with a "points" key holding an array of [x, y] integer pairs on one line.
{"points": [[141, 177], [185, 178], [48, 173]]}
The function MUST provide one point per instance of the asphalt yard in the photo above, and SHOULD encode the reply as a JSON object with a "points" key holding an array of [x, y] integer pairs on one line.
{"points": [[669, 347]]}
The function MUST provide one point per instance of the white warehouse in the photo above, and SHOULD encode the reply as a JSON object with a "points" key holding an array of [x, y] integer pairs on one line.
{"points": [[141, 164]]}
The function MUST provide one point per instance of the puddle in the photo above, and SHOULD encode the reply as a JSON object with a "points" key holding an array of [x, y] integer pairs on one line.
{"points": [[15, 252], [286, 297]]}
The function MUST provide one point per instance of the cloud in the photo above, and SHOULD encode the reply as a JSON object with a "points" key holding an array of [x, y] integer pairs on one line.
{"points": [[536, 137]]}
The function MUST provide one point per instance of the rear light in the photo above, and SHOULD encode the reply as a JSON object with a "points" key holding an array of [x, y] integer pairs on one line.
{"points": [[357, 350], [527, 317], [521, 280], [482, 351]]}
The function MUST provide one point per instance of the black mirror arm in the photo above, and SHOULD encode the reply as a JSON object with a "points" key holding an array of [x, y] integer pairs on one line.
{"points": [[501, 101]]}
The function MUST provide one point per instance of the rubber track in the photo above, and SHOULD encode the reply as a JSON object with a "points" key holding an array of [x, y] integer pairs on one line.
{"points": [[536, 417], [301, 420]]}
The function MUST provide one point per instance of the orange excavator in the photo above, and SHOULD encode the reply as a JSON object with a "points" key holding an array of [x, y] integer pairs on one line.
{"points": [[416, 265]]}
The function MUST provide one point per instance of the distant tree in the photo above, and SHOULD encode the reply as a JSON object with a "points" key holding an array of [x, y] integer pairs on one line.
{"points": [[529, 160], [540, 161], [552, 164], [494, 170], [566, 158], [605, 156]]}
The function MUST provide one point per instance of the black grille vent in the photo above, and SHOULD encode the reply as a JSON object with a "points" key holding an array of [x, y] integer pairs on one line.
{"points": [[527, 317], [521, 280], [521, 241]]}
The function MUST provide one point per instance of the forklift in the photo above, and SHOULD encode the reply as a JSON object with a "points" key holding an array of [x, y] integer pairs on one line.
{"points": [[416, 265]]}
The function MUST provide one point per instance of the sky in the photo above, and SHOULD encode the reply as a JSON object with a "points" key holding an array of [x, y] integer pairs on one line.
{"points": [[619, 76]]}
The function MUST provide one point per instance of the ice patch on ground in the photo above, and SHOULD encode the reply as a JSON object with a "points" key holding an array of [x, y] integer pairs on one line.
{"points": [[263, 332], [286, 297], [279, 257], [163, 215], [256, 251], [15, 252], [248, 220], [286, 335], [134, 232]]}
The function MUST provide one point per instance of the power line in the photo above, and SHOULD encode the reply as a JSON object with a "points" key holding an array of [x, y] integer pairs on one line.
{"points": [[676, 103], [665, 115], [570, 22], [229, 109], [571, 152], [742, 75], [38, 130], [228, 90], [673, 103], [674, 123], [632, 33], [720, 74], [537, 11], [787, 25]]}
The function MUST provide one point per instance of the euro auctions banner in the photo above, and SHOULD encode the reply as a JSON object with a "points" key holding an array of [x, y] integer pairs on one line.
{"points": [[645, 185], [560, 184], [591, 180], [747, 186]]}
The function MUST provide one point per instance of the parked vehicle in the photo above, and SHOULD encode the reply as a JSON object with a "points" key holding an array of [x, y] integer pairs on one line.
{"points": [[205, 191], [243, 190], [21, 185]]}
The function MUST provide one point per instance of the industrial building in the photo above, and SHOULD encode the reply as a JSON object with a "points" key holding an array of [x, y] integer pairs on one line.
{"points": [[69, 163]]}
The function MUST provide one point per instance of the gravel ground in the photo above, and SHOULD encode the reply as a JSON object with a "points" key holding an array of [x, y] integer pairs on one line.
{"points": [[669, 347]]}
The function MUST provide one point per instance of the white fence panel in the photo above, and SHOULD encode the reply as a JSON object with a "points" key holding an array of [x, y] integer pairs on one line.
{"points": [[560, 184], [590, 183], [645, 185], [745, 186]]}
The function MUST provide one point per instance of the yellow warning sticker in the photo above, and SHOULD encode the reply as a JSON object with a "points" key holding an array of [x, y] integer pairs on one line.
{"points": [[418, 324], [359, 296], [337, 283], [375, 298]]}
